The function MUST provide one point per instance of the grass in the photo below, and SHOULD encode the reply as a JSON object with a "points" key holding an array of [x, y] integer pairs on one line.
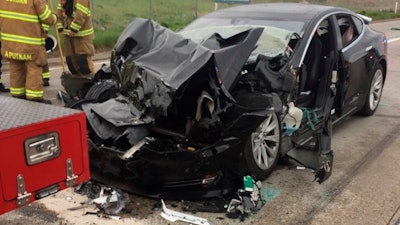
{"points": [[380, 15], [110, 17]]}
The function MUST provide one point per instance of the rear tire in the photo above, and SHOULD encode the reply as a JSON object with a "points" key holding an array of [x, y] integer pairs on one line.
{"points": [[374, 92], [262, 150]]}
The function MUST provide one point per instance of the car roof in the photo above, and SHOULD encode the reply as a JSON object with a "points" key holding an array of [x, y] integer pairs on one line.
{"points": [[289, 11]]}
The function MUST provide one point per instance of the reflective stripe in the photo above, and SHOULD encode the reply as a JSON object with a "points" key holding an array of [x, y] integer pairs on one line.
{"points": [[59, 6], [46, 75], [59, 25], [45, 27], [75, 26], [46, 14], [22, 39], [19, 16], [83, 9], [34, 94], [81, 33], [17, 91], [87, 32]]}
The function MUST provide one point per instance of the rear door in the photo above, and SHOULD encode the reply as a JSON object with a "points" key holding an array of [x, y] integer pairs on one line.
{"points": [[352, 73]]}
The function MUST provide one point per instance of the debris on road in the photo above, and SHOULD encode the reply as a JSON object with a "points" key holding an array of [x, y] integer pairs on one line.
{"points": [[174, 216], [249, 200]]}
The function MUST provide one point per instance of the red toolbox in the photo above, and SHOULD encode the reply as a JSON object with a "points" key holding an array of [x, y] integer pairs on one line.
{"points": [[43, 149]]}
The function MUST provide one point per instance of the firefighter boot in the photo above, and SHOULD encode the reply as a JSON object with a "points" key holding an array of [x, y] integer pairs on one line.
{"points": [[46, 82], [3, 88]]}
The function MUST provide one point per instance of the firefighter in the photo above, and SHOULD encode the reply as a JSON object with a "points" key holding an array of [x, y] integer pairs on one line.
{"points": [[23, 41], [2, 87], [75, 22]]}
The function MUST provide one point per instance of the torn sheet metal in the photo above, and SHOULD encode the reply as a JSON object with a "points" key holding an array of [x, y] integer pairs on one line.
{"points": [[144, 45], [117, 111], [149, 44], [110, 202], [174, 216]]}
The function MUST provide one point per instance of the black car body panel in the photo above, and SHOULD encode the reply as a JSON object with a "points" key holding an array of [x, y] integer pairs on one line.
{"points": [[195, 111]]}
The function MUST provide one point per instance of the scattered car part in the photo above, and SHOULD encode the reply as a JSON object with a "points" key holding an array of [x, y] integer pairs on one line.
{"points": [[250, 199], [110, 201], [174, 216]]}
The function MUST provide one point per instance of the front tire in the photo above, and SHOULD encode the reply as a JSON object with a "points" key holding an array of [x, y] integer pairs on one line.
{"points": [[374, 92], [262, 150]]}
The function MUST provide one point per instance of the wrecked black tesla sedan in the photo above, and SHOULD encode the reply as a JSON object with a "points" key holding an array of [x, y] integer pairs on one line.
{"points": [[227, 96]]}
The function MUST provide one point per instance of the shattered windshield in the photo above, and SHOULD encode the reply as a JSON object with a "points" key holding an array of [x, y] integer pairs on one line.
{"points": [[272, 42]]}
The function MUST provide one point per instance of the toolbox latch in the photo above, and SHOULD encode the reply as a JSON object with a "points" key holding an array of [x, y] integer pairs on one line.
{"points": [[71, 177], [42, 148], [23, 196]]}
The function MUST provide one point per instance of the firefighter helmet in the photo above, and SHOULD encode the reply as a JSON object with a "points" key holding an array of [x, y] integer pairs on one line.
{"points": [[50, 43]]}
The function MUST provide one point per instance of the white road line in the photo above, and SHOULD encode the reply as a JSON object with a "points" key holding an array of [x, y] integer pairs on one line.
{"points": [[393, 40]]}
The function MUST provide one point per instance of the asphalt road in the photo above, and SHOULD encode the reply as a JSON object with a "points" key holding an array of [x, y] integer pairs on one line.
{"points": [[364, 188]]}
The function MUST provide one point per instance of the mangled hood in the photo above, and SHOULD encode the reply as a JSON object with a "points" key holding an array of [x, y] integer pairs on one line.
{"points": [[162, 60]]}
